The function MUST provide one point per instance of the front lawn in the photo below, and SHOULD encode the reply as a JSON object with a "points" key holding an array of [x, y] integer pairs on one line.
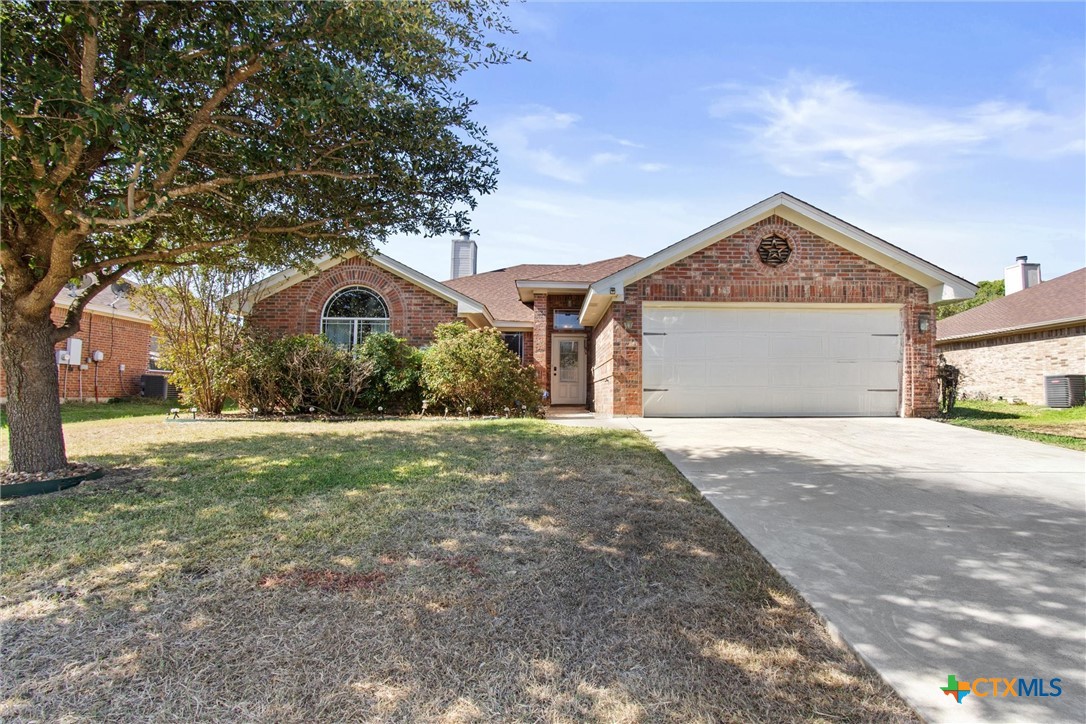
{"points": [[1063, 427], [87, 411], [406, 570]]}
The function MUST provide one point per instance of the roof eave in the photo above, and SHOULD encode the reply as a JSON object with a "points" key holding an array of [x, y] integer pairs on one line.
{"points": [[1017, 329], [528, 288], [941, 284], [465, 305], [105, 309]]}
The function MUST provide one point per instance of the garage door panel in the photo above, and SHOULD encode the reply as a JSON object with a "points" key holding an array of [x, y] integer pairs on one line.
{"points": [[797, 345], [764, 361]]}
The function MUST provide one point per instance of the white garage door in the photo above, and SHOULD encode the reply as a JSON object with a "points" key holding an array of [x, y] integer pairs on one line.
{"points": [[792, 361]]}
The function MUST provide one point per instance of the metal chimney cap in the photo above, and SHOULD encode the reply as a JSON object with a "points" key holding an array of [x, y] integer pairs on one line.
{"points": [[1022, 259]]}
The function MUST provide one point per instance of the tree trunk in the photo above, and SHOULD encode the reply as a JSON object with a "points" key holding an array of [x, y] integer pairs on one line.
{"points": [[34, 430]]}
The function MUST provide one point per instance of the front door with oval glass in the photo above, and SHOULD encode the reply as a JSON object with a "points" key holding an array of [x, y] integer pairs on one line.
{"points": [[568, 376]]}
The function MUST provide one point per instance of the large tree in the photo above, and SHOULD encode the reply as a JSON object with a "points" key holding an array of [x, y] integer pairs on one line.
{"points": [[151, 133]]}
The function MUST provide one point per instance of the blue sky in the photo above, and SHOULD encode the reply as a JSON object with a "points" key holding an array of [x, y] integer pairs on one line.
{"points": [[956, 131]]}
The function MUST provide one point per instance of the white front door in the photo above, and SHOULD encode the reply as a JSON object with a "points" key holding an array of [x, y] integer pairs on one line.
{"points": [[567, 370]]}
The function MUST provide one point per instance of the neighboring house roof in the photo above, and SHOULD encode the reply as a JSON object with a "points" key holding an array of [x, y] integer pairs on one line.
{"points": [[465, 305], [105, 302], [1057, 302], [504, 291], [941, 284]]}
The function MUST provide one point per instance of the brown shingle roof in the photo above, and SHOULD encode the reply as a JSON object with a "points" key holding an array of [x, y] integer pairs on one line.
{"points": [[104, 302], [589, 272], [498, 289], [1060, 299]]}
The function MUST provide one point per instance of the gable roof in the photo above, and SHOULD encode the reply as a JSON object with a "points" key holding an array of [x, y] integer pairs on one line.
{"points": [[1057, 302], [498, 289], [504, 291], [465, 305], [941, 284]]}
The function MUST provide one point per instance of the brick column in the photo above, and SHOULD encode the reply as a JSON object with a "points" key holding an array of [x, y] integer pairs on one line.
{"points": [[540, 340]]}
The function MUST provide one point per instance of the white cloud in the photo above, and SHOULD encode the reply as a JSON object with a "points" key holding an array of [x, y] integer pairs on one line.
{"points": [[652, 167], [550, 143], [816, 125]]}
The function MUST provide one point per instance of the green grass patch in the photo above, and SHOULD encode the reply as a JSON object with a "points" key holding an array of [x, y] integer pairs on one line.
{"points": [[400, 570], [1065, 427]]}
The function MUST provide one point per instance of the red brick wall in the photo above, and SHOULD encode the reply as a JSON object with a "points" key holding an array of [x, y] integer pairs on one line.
{"points": [[603, 355], [122, 341], [543, 328], [818, 271], [1013, 367], [413, 311]]}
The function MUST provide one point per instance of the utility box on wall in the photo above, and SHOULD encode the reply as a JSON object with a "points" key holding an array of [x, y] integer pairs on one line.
{"points": [[1065, 390]]}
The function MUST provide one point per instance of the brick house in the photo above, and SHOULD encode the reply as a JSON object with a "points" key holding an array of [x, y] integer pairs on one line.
{"points": [[111, 326], [1004, 348], [780, 309]]}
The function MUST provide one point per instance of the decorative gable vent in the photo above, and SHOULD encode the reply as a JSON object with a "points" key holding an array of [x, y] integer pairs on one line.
{"points": [[774, 250]]}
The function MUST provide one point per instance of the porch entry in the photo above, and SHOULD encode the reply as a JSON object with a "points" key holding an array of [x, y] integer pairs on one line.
{"points": [[568, 378]]}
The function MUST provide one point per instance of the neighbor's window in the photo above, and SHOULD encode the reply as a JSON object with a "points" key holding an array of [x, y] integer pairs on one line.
{"points": [[154, 354], [515, 342], [567, 319], [353, 313]]}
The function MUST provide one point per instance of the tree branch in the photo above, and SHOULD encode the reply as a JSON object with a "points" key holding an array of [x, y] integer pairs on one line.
{"points": [[203, 118], [132, 184], [158, 255], [75, 311]]}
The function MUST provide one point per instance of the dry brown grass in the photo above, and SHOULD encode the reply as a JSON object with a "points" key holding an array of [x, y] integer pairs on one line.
{"points": [[401, 571]]}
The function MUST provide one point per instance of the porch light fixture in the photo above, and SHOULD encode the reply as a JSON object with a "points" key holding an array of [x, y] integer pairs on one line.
{"points": [[924, 322]]}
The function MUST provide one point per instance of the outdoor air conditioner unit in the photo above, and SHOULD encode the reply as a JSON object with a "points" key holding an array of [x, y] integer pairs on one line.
{"points": [[157, 387], [1065, 390]]}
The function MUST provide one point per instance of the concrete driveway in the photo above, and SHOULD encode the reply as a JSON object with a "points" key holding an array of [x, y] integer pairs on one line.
{"points": [[933, 550]]}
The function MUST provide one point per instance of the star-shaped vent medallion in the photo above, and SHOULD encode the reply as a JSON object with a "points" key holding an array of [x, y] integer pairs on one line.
{"points": [[774, 250]]}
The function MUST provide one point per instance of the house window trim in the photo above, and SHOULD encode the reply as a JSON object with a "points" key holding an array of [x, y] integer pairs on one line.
{"points": [[575, 313], [356, 338]]}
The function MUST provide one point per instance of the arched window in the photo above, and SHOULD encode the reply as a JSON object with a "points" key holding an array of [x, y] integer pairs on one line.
{"points": [[353, 313]]}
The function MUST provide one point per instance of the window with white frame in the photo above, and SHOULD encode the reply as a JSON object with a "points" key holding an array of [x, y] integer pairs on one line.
{"points": [[567, 319], [353, 313]]}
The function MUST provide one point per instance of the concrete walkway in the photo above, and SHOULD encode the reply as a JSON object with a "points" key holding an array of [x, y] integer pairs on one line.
{"points": [[933, 550]]}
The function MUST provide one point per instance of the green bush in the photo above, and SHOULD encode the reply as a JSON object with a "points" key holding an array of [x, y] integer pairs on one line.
{"points": [[396, 368], [293, 374], [474, 368]]}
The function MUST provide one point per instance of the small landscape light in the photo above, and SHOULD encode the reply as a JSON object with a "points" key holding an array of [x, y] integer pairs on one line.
{"points": [[193, 411], [507, 412], [312, 410], [174, 413], [469, 412]]}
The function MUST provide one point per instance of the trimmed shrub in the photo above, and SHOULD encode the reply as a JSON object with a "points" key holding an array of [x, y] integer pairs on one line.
{"points": [[474, 368], [396, 368], [292, 374]]}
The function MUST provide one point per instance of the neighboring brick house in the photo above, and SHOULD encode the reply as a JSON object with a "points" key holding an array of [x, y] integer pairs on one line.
{"points": [[1006, 347], [111, 326], [781, 309]]}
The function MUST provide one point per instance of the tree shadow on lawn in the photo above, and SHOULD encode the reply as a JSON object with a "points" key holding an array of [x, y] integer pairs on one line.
{"points": [[527, 572]]}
